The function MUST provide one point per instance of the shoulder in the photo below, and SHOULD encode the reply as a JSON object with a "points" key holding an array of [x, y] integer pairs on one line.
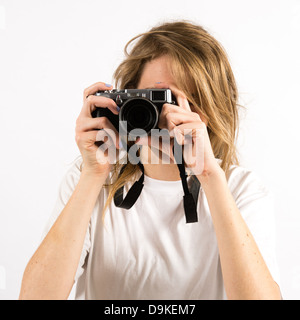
{"points": [[73, 172], [246, 186], [71, 177], [240, 178]]}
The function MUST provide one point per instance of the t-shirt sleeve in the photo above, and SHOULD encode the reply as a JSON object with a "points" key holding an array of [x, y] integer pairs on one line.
{"points": [[255, 202], [65, 191]]}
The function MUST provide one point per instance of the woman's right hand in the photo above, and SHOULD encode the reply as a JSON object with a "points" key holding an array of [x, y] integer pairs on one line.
{"points": [[87, 130]]}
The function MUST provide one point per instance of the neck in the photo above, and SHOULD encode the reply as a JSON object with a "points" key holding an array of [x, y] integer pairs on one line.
{"points": [[167, 172]]}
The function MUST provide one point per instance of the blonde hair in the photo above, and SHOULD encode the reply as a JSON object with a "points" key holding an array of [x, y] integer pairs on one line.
{"points": [[202, 72]]}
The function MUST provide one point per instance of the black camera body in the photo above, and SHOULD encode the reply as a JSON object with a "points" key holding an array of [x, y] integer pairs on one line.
{"points": [[140, 108]]}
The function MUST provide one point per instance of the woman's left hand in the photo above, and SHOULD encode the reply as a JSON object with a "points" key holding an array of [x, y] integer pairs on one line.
{"points": [[189, 129]]}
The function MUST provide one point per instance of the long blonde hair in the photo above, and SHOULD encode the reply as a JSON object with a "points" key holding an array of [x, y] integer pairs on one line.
{"points": [[202, 71]]}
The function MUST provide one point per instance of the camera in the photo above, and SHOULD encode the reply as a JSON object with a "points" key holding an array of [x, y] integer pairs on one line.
{"points": [[140, 108]]}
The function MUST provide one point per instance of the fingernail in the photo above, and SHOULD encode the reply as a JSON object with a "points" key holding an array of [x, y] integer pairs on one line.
{"points": [[158, 82], [108, 85], [118, 108]]}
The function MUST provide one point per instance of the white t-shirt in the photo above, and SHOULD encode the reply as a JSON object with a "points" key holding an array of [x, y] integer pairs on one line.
{"points": [[150, 252]]}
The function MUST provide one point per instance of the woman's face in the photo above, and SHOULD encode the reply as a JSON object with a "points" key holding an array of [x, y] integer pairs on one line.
{"points": [[157, 73]]}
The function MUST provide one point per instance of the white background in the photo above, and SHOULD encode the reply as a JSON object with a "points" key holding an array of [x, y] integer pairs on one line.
{"points": [[51, 50]]}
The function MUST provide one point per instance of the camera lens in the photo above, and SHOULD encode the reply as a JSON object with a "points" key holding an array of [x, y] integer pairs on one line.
{"points": [[139, 114]]}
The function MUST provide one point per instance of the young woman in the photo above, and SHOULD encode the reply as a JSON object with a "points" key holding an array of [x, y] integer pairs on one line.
{"points": [[149, 251]]}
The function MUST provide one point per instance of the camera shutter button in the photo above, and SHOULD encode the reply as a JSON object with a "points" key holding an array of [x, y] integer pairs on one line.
{"points": [[119, 100]]}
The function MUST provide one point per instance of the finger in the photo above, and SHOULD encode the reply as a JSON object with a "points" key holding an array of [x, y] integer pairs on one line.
{"points": [[91, 124], [96, 87], [88, 124], [145, 140], [86, 139], [180, 96], [168, 108], [173, 119], [109, 137], [188, 132], [92, 101]]}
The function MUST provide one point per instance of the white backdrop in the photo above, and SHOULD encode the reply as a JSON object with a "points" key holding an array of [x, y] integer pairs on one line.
{"points": [[51, 50]]}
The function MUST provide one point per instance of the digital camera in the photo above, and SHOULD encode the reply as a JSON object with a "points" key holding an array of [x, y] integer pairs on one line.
{"points": [[140, 108]]}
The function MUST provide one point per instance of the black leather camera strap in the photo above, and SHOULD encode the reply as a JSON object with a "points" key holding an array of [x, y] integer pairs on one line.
{"points": [[133, 193], [190, 199]]}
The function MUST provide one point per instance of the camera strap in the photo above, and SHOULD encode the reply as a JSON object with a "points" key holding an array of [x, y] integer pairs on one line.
{"points": [[133, 193], [190, 199]]}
